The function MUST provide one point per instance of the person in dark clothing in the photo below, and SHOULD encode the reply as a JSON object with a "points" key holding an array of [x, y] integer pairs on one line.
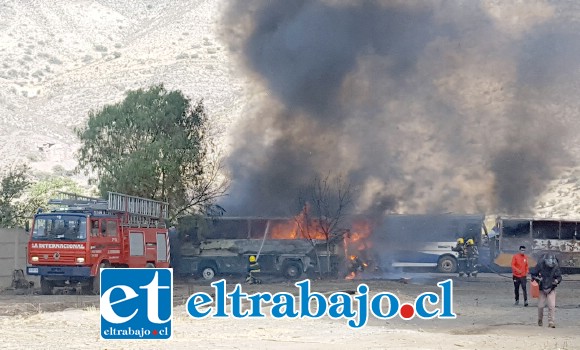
{"points": [[548, 275], [356, 265], [472, 255], [462, 256]]}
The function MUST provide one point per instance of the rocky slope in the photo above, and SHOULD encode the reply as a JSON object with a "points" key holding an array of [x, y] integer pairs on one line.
{"points": [[59, 60]]}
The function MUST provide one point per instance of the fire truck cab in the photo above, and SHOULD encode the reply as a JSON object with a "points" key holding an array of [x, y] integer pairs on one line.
{"points": [[70, 244]]}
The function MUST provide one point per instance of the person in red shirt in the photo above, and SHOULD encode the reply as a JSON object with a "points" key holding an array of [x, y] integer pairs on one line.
{"points": [[520, 270]]}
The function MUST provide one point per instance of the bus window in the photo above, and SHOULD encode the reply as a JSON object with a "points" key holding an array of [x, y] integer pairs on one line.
{"points": [[516, 228], [515, 232], [472, 231], [545, 229], [228, 229], [258, 228], [568, 230]]}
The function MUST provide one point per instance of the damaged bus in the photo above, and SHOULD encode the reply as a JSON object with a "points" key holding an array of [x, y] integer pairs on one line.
{"points": [[208, 247], [539, 236]]}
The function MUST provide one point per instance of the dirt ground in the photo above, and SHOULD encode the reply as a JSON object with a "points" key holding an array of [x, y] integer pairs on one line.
{"points": [[487, 319]]}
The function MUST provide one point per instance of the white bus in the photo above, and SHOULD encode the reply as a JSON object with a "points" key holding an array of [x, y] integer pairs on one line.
{"points": [[424, 240]]}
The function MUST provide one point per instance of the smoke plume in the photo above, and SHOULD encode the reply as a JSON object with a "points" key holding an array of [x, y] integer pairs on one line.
{"points": [[425, 107]]}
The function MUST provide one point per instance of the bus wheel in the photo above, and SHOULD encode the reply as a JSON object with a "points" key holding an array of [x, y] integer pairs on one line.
{"points": [[46, 286], [149, 266], [208, 273], [292, 270], [447, 264]]}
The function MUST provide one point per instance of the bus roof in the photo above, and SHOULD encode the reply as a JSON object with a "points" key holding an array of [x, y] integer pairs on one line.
{"points": [[531, 218]]}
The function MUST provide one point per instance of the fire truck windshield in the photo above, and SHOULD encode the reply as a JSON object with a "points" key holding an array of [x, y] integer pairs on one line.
{"points": [[59, 227]]}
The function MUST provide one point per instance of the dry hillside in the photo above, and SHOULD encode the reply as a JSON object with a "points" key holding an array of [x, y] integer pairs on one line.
{"points": [[60, 59]]}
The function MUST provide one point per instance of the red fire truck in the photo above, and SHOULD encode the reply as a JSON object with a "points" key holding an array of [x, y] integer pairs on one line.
{"points": [[80, 235]]}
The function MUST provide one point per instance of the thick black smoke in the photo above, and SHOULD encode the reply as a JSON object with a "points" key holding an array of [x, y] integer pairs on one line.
{"points": [[533, 142], [425, 108]]}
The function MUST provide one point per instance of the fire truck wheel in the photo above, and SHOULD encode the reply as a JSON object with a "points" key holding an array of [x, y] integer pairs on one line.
{"points": [[208, 273], [150, 266], [292, 270], [447, 264], [46, 286]]}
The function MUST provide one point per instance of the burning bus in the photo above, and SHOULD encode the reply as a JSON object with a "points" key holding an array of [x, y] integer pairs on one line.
{"points": [[415, 240], [292, 247], [288, 247]]}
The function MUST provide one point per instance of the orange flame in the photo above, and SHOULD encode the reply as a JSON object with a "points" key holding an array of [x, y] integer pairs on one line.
{"points": [[299, 227], [357, 240]]}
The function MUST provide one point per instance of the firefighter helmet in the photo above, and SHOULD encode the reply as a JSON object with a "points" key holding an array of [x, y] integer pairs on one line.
{"points": [[470, 241], [252, 259], [460, 241]]}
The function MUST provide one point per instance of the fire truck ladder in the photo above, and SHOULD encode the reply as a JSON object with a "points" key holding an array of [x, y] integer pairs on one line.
{"points": [[139, 212]]}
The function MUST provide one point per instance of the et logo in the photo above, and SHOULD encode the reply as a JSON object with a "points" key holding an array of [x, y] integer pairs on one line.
{"points": [[136, 303]]}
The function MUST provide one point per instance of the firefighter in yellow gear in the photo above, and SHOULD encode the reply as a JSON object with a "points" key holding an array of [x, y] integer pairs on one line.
{"points": [[253, 270], [472, 254], [460, 248]]}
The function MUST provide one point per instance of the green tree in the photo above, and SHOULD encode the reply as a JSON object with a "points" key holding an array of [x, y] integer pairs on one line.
{"points": [[12, 187], [154, 144], [39, 193]]}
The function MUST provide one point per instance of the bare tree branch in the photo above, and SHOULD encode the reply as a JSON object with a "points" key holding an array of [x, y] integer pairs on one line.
{"points": [[326, 200]]}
